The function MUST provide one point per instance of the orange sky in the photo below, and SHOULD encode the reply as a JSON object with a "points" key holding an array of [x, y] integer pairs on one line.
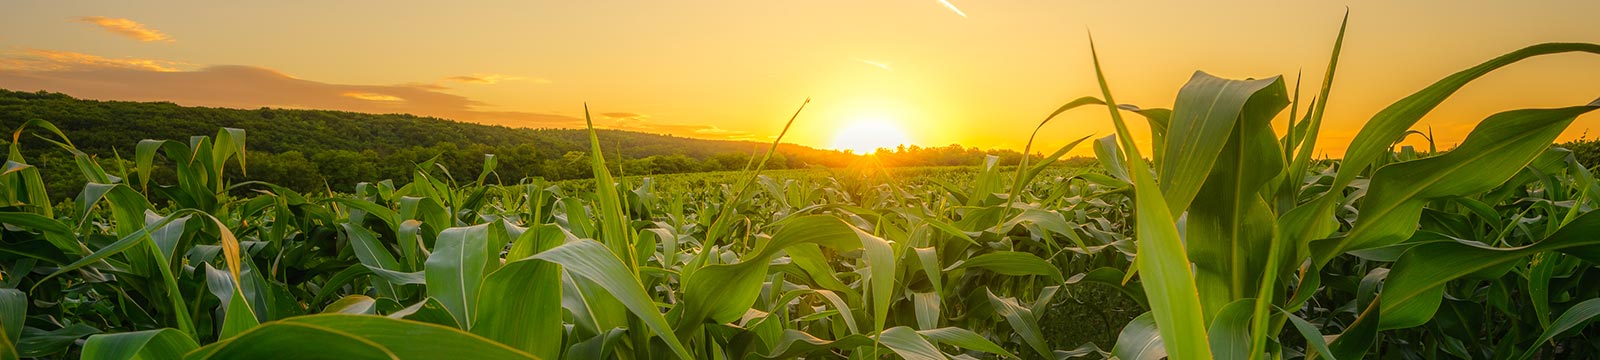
{"points": [[978, 73]]}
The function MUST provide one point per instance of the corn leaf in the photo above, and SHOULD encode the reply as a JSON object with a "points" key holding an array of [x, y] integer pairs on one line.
{"points": [[520, 304], [1162, 259], [340, 336], [148, 344], [1415, 286], [1493, 152], [1574, 318], [460, 261], [592, 260]]}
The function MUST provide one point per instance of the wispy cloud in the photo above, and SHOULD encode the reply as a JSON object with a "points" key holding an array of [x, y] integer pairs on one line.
{"points": [[624, 116], [371, 96], [877, 64], [125, 27], [52, 60], [489, 79], [643, 122], [236, 86], [712, 131], [700, 131], [953, 7]]}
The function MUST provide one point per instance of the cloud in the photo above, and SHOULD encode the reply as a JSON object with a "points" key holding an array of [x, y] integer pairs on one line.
{"points": [[247, 87], [642, 122], [953, 7], [490, 79], [704, 131], [125, 27], [724, 133], [624, 116], [51, 60], [371, 96], [876, 64]]}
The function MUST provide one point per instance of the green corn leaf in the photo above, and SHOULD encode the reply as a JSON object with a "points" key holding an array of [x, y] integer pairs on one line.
{"points": [[1205, 113], [927, 309], [374, 255], [880, 281], [520, 304], [1111, 158], [399, 278], [909, 344], [1380, 132], [723, 292], [593, 261], [230, 143], [795, 343], [721, 223], [1312, 335], [1495, 150], [842, 307], [53, 342], [1025, 173], [57, 233], [340, 336], [388, 216], [1050, 221], [1022, 321], [1415, 286], [1543, 269], [1162, 260], [1230, 225], [428, 310], [1574, 318], [1356, 339], [928, 258], [1140, 340], [1112, 277], [239, 317], [138, 240], [1307, 139], [1011, 263], [353, 305], [965, 339], [148, 344], [13, 311], [460, 261], [1230, 330], [614, 230]]}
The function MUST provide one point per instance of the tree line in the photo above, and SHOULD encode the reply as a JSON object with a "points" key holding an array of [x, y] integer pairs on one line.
{"points": [[319, 150]]}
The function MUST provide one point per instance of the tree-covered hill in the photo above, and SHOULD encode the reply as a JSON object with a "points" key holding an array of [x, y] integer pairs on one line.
{"points": [[318, 149]]}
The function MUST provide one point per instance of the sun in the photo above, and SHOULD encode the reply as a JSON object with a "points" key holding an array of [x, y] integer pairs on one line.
{"points": [[867, 135]]}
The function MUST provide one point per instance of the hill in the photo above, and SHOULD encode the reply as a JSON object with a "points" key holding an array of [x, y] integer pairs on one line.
{"points": [[317, 149]]}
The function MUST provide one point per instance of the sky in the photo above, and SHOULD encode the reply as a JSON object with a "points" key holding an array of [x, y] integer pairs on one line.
{"points": [[924, 72]]}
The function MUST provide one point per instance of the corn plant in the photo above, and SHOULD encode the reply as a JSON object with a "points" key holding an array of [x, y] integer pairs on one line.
{"points": [[1261, 225]]}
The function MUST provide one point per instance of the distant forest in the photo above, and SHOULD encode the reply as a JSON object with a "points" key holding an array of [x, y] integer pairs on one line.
{"points": [[318, 150]]}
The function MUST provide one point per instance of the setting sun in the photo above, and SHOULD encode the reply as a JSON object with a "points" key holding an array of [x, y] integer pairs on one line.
{"points": [[866, 136]]}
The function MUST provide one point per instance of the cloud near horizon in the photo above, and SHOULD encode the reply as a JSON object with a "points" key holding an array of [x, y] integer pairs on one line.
{"points": [[125, 27], [52, 60], [238, 86], [877, 64], [622, 120], [490, 79], [624, 116]]}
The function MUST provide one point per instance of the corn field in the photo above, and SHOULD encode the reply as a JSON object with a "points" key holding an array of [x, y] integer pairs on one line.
{"points": [[1228, 236]]}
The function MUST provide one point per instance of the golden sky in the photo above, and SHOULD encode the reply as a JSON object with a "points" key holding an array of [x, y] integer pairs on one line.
{"points": [[977, 73]]}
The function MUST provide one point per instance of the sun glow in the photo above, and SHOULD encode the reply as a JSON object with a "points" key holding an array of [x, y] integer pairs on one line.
{"points": [[867, 135]]}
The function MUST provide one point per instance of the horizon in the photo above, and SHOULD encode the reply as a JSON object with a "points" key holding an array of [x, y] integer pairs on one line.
{"points": [[1036, 152], [903, 72]]}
